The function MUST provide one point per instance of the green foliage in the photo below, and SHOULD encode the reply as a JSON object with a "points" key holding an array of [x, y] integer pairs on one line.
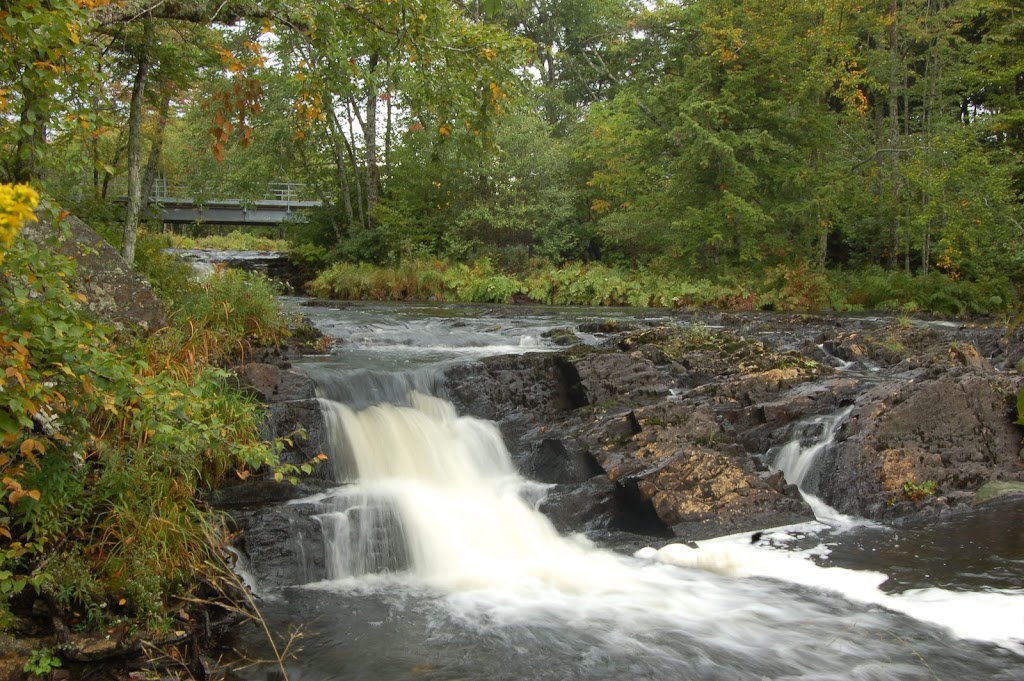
{"points": [[481, 282], [233, 241], [876, 289], [918, 492], [42, 55], [105, 441], [42, 661], [229, 312], [172, 278], [794, 288], [783, 288]]}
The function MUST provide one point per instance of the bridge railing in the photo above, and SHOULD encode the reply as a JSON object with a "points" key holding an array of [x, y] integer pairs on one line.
{"points": [[284, 194]]}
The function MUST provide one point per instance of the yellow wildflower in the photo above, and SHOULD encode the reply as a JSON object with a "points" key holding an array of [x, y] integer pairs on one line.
{"points": [[17, 201]]}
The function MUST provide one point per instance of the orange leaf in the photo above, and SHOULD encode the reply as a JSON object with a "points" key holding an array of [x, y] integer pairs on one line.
{"points": [[29, 446]]}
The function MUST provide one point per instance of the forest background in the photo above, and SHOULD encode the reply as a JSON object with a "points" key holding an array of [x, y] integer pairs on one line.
{"points": [[769, 154]]}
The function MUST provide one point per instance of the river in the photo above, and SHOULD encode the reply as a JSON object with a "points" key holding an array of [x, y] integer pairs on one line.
{"points": [[441, 568]]}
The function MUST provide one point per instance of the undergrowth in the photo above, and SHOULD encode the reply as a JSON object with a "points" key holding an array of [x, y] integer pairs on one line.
{"points": [[233, 241], [108, 440], [781, 288]]}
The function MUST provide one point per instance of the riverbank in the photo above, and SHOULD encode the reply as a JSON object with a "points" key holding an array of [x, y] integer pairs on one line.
{"points": [[593, 284], [118, 411]]}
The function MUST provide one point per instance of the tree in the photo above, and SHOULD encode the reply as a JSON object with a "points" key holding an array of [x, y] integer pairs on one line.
{"points": [[420, 63]]}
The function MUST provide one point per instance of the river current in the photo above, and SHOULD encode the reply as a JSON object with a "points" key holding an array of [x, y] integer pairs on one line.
{"points": [[441, 568]]}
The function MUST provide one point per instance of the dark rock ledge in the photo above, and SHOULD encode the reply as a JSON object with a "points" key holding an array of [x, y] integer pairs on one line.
{"points": [[667, 432]]}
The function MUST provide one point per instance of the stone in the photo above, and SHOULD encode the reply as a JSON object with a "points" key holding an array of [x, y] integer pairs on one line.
{"points": [[997, 489], [281, 545], [270, 383], [114, 291], [956, 430], [551, 461]]}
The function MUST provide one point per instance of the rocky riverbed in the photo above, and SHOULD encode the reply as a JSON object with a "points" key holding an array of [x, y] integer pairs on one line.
{"points": [[666, 429]]}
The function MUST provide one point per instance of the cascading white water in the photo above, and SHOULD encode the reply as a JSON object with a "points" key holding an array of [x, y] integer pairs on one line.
{"points": [[432, 499], [798, 457], [436, 495]]}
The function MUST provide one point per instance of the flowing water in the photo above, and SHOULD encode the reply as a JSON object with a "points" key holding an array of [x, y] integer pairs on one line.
{"points": [[439, 566]]}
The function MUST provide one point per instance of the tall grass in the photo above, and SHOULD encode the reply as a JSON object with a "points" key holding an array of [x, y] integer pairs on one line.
{"points": [[781, 288], [101, 510], [233, 241]]}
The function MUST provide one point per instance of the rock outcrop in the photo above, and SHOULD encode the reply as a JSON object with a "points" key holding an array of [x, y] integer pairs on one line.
{"points": [[671, 431], [680, 423], [114, 291]]}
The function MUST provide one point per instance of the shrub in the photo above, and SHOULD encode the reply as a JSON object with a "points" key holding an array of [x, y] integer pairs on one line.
{"points": [[106, 442], [228, 313]]}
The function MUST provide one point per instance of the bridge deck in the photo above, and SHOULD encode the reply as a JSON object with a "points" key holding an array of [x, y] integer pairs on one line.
{"points": [[171, 204]]}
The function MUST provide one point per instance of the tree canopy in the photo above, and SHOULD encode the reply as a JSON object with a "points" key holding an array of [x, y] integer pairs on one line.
{"points": [[712, 138]]}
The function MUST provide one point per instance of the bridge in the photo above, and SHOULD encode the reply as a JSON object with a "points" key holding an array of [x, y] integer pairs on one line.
{"points": [[172, 203]]}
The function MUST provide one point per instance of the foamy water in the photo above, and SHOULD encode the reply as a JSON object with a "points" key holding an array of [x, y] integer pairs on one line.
{"points": [[466, 536]]}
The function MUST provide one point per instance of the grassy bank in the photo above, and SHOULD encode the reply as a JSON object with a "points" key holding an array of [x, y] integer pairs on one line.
{"points": [[782, 288], [108, 440], [233, 241]]}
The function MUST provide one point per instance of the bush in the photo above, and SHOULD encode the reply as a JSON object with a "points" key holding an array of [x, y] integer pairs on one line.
{"points": [[105, 443], [228, 313], [173, 279], [876, 289], [782, 288], [233, 241]]}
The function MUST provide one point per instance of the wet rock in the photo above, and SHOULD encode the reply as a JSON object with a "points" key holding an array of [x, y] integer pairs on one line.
{"points": [[282, 545], [616, 428], [271, 383], [619, 378], [254, 494], [114, 291], [992, 491], [299, 428], [521, 393], [608, 326], [555, 461], [561, 336], [701, 493], [599, 505], [955, 431]]}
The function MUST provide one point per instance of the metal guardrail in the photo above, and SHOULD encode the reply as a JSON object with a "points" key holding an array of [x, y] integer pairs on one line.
{"points": [[277, 193], [176, 203]]}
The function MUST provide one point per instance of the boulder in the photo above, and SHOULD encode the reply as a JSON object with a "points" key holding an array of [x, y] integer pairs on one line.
{"points": [[114, 291], [601, 506], [955, 431], [556, 461], [280, 545], [271, 383]]}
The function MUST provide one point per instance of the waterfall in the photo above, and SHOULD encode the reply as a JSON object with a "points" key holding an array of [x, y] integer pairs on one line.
{"points": [[798, 459], [434, 495]]}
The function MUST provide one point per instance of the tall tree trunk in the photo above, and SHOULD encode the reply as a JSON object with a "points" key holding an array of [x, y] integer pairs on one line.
{"points": [[370, 139], [314, 178], [336, 135], [94, 147], [135, 111], [34, 115], [353, 113], [388, 132], [894, 132]]}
